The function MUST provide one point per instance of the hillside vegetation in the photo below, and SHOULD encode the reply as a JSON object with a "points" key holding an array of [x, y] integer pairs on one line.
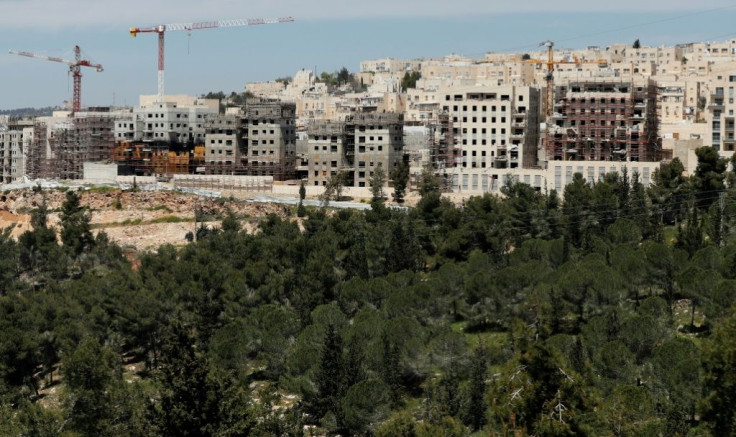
{"points": [[606, 311]]}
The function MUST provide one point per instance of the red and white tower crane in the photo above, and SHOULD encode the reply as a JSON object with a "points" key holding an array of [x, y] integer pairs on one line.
{"points": [[74, 68], [161, 29]]}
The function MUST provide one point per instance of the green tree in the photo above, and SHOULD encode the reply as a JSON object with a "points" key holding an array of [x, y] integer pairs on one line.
{"points": [[230, 222], [364, 403], [300, 210], [400, 176], [669, 193], [719, 360], [329, 375], [577, 211], [428, 183], [193, 399], [76, 232], [410, 80], [377, 181], [91, 374], [335, 185], [709, 175], [475, 416], [690, 237], [344, 76]]}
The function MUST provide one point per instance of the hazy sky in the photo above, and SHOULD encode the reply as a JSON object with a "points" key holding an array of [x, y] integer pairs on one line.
{"points": [[326, 35]]}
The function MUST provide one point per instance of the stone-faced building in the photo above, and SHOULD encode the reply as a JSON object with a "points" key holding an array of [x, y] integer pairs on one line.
{"points": [[358, 145]]}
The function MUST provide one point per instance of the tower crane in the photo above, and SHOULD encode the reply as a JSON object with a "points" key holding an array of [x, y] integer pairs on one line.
{"points": [[74, 68], [161, 29], [549, 77]]}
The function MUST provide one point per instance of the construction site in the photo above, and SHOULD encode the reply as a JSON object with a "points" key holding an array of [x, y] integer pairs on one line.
{"points": [[355, 147], [443, 153], [157, 159], [604, 120], [88, 137]]}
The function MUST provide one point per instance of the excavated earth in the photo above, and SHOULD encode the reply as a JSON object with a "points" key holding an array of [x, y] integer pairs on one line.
{"points": [[143, 220]]}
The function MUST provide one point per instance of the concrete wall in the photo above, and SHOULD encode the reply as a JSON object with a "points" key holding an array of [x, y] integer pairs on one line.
{"points": [[100, 173]]}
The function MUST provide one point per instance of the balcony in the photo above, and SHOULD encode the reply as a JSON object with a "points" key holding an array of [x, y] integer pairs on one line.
{"points": [[715, 104]]}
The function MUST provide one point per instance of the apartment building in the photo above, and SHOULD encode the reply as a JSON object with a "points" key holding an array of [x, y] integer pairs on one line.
{"points": [[225, 148], [494, 127], [390, 65], [604, 120], [165, 122], [672, 102], [720, 115], [15, 139], [270, 135], [357, 145], [259, 140], [267, 90]]}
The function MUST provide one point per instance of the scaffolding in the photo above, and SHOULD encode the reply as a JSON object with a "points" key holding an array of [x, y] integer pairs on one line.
{"points": [[158, 158], [604, 121], [86, 138], [280, 159], [443, 151]]}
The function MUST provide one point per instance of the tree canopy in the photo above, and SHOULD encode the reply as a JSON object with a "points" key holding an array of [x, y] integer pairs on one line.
{"points": [[608, 310]]}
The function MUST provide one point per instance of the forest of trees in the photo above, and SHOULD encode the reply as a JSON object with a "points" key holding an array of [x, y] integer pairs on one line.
{"points": [[605, 311]]}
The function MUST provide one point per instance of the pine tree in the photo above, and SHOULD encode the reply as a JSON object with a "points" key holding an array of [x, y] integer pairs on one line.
{"points": [[329, 374], [376, 182], [400, 177], [390, 368], [476, 411], [300, 210], [76, 233]]}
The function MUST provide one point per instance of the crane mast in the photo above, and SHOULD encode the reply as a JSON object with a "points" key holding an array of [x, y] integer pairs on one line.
{"points": [[74, 68], [550, 97], [161, 29]]}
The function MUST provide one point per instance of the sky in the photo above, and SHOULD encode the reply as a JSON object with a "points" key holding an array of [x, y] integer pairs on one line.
{"points": [[325, 36]]}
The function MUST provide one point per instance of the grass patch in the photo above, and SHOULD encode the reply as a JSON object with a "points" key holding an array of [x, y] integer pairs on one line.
{"points": [[160, 208], [102, 189], [169, 219], [139, 221], [669, 234], [488, 338]]}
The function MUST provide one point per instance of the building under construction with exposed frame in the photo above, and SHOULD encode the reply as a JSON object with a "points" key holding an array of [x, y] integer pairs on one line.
{"points": [[259, 141], [88, 137], [356, 146], [604, 120]]}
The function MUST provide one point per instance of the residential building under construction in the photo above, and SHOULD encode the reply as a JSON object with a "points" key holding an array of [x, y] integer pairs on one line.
{"points": [[357, 146], [259, 141], [604, 120], [88, 137]]}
